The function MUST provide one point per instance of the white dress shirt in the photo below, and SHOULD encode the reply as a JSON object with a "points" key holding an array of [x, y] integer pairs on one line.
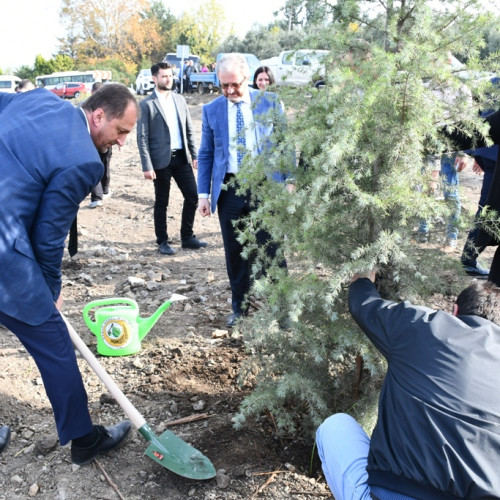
{"points": [[170, 111], [250, 139]]}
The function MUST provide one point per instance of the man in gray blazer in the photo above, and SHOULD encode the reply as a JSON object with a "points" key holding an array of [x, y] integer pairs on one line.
{"points": [[164, 135]]}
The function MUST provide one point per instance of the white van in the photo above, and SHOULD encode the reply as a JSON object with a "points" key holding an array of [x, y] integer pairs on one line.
{"points": [[8, 83], [144, 82]]}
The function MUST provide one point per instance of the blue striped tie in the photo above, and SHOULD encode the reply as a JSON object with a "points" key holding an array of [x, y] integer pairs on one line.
{"points": [[240, 134]]}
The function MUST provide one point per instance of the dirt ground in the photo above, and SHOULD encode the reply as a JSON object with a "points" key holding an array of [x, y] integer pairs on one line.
{"points": [[187, 365]]}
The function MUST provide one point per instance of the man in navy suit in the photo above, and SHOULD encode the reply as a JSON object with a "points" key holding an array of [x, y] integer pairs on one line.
{"points": [[165, 135], [234, 125], [49, 162]]}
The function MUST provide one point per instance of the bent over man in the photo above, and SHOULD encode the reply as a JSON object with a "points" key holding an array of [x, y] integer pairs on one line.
{"points": [[438, 430], [49, 162]]}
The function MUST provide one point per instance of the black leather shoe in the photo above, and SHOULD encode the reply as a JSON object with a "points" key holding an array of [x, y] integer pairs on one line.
{"points": [[193, 243], [165, 248], [4, 437], [109, 439], [476, 270], [233, 319]]}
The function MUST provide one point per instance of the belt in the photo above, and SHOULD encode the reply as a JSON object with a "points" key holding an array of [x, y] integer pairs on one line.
{"points": [[176, 152]]}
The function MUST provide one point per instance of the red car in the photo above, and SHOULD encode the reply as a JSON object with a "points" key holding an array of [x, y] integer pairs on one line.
{"points": [[67, 90]]}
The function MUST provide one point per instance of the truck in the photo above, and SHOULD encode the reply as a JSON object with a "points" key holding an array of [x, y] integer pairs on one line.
{"points": [[209, 81], [297, 67]]}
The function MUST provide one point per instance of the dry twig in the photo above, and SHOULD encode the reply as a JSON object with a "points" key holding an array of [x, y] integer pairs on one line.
{"points": [[108, 479], [187, 420], [268, 481]]}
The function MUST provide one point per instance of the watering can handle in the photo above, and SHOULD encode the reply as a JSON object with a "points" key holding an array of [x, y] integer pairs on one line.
{"points": [[105, 302]]}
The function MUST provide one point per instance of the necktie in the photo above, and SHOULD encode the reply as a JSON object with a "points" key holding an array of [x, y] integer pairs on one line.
{"points": [[240, 134]]}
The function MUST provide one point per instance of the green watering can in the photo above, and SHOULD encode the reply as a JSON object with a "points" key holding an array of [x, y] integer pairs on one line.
{"points": [[119, 328]]}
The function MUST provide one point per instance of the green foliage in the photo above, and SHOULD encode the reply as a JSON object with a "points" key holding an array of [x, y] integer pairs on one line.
{"points": [[25, 72], [361, 189]]}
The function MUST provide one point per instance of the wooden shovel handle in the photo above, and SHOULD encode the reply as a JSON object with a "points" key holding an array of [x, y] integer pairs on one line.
{"points": [[132, 413]]}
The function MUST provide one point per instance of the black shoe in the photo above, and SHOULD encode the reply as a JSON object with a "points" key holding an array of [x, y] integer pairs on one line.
{"points": [[109, 439], [193, 243], [165, 248], [233, 319], [4, 437], [476, 270]]}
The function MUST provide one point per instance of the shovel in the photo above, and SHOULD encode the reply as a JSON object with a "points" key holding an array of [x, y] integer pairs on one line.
{"points": [[168, 449]]}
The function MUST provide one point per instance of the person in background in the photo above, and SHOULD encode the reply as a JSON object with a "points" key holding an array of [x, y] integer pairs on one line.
{"points": [[25, 85], [437, 434], [484, 163], [165, 135], [262, 78], [231, 129], [4, 437], [483, 237], [53, 148], [101, 190]]}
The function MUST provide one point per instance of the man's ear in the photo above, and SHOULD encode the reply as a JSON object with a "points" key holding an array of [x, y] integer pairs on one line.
{"points": [[455, 310], [97, 116]]}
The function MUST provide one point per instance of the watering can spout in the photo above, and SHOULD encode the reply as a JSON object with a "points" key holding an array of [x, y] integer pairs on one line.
{"points": [[145, 324]]}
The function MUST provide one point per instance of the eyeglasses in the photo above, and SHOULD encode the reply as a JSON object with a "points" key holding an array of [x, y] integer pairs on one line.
{"points": [[236, 86]]}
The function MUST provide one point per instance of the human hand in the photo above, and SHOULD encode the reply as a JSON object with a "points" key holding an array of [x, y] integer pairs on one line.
{"points": [[461, 163], [59, 302], [195, 164], [290, 188], [476, 168], [369, 274], [204, 207], [149, 174]]}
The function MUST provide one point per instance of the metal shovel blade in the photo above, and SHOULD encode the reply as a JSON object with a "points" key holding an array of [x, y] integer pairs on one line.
{"points": [[175, 454]]}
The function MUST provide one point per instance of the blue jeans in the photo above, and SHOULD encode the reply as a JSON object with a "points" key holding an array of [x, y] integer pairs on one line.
{"points": [[449, 177], [343, 447]]}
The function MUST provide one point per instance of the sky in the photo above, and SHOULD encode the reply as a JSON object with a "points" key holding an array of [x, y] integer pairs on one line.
{"points": [[31, 27]]}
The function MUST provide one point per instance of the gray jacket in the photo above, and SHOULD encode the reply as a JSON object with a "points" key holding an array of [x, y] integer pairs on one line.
{"points": [[153, 136]]}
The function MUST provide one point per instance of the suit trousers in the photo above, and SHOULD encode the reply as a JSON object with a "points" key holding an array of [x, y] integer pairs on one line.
{"points": [[102, 187], [182, 172], [232, 207], [50, 346]]}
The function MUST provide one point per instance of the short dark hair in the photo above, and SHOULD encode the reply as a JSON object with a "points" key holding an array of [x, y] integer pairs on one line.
{"points": [[155, 69], [480, 299], [96, 86], [113, 99], [267, 71]]}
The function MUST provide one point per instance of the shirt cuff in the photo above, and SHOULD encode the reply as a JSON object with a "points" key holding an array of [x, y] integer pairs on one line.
{"points": [[203, 196]]}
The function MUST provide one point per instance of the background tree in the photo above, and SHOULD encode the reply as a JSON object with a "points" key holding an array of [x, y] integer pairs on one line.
{"points": [[166, 22], [361, 190], [203, 30], [108, 29]]}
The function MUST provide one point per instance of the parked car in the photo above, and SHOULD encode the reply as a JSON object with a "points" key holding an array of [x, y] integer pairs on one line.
{"points": [[209, 81], [144, 82], [69, 90], [8, 83], [297, 67]]}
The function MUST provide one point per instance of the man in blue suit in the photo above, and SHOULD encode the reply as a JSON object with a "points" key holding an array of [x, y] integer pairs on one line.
{"points": [[238, 123], [49, 162]]}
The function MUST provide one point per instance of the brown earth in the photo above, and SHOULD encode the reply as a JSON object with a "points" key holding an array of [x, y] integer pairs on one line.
{"points": [[187, 366]]}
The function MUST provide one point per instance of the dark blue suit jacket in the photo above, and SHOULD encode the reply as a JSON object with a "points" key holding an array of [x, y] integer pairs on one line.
{"points": [[438, 431], [48, 165]]}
